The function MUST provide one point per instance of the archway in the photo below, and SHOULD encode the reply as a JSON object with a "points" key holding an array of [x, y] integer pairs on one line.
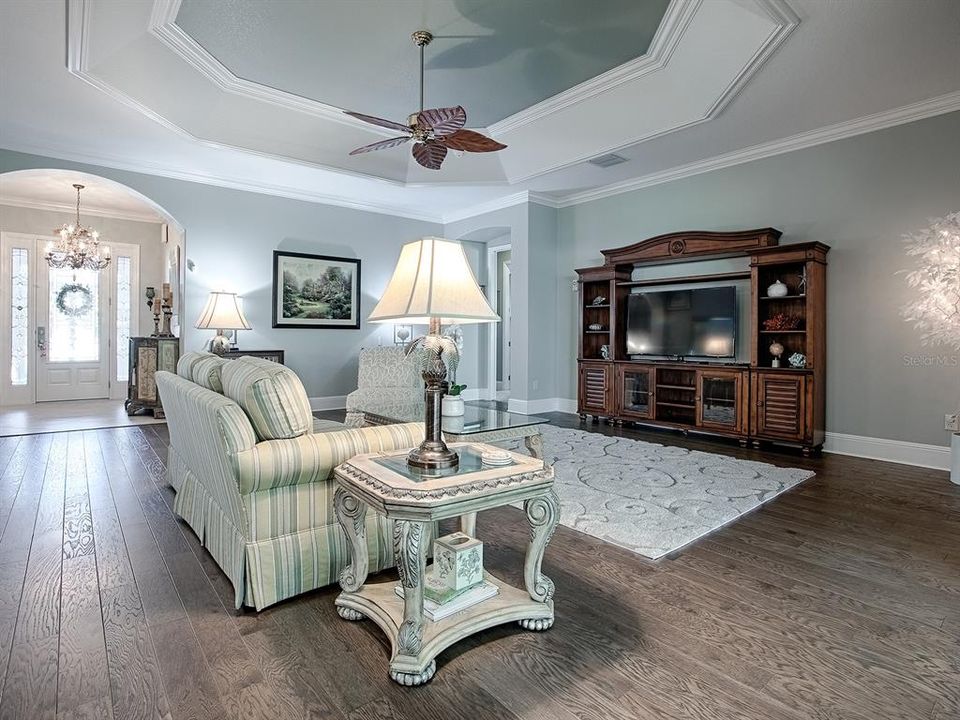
{"points": [[148, 249]]}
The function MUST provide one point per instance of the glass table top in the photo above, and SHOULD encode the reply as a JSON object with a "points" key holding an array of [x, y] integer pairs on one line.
{"points": [[475, 419], [470, 462]]}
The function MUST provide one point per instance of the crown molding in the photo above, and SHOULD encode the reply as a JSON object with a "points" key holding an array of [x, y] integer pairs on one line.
{"points": [[163, 26], [939, 105], [779, 12], [483, 208], [259, 187], [672, 26], [32, 204]]}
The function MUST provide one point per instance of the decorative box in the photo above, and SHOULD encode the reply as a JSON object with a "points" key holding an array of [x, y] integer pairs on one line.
{"points": [[457, 561]]}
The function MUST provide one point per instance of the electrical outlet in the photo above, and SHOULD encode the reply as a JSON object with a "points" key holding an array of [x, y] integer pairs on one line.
{"points": [[535, 385], [951, 421]]}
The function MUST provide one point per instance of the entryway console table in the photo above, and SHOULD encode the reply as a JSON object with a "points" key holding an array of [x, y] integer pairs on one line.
{"points": [[752, 401], [414, 499]]}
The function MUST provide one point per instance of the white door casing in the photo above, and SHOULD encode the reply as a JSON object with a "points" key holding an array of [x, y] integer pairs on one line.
{"points": [[82, 358]]}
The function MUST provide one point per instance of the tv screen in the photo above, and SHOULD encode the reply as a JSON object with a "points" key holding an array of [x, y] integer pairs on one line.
{"points": [[691, 323]]}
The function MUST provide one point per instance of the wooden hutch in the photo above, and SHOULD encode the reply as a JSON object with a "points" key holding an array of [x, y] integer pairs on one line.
{"points": [[753, 401]]}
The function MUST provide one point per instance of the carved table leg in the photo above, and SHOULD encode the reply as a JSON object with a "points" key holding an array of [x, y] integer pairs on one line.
{"points": [[409, 549], [534, 444], [351, 513], [543, 513], [468, 524]]}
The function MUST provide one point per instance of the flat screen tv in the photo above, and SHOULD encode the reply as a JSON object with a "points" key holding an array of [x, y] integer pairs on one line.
{"points": [[690, 323]]}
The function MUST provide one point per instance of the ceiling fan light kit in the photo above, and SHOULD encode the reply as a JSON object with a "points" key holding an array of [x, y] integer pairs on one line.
{"points": [[434, 131]]}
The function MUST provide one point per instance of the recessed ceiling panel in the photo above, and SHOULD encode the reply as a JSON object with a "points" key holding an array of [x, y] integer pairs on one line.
{"points": [[494, 57]]}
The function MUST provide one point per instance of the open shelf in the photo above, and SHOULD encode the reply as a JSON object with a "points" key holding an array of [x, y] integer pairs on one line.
{"points": [[676, 387], [597, 332], [691, 406], [588, 307], [782, 332], [783, 297]]}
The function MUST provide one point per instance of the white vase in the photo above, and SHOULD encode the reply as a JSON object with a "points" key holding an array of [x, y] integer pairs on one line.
{"points": [[778, 289], [955, 459], [451, 406]]}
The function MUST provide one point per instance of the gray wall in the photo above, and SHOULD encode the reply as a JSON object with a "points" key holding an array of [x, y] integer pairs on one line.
{"points": [[857, 195], [112, 230], [231, 236]]}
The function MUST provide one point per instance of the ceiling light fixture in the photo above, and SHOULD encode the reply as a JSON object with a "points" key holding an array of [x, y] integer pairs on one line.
{"points": [[78, 247], [434, 131]]}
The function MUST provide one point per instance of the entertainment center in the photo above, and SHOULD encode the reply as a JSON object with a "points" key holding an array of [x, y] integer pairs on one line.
{"points": [[774, 391]]}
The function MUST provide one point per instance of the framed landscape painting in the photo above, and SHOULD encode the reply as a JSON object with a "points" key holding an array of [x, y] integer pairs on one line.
{"points": [[315, 291]]}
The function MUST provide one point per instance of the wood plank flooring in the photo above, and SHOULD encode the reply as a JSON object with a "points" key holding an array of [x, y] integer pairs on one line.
{"points": [[840, 600]]}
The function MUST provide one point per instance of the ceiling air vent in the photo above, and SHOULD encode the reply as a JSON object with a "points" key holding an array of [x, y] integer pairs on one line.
{"points": [[608, 160]]}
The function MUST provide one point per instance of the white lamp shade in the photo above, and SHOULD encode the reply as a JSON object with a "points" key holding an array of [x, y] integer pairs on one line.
{"points": [[433, 280], [222, 312]]}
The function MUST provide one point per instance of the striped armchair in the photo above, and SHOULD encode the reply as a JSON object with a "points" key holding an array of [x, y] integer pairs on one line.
{"points": [[254, 480]]}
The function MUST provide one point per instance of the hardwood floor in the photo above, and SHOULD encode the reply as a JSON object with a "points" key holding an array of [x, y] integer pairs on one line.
{"points": [[839, 600]]}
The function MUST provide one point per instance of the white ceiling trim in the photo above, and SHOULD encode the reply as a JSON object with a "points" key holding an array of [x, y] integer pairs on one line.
{"points": [[878, 121], [33, 204], [78, 22], [164, 27], [777, 10], [498, 204], [262, 188], [672, 26]]}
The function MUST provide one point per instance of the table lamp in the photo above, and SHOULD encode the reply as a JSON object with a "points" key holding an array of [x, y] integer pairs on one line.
{"points": [[222, 312], [433, 284]]}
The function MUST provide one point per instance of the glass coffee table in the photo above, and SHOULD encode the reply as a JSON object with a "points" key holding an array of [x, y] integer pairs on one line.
{"points": [[477, 424]]}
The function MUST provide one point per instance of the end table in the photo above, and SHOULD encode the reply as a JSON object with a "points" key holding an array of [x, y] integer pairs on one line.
{"points": [[414, 499]]}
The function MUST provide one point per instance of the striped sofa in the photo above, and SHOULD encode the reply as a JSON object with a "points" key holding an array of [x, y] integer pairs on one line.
{"points": [[253, 475]]}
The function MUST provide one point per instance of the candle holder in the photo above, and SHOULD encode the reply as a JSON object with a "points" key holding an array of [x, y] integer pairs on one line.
{"points": [[167, 316], [150, 294]]}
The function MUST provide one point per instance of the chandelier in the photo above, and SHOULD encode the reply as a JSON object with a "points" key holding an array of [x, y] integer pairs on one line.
{"points": [[78, 247]]}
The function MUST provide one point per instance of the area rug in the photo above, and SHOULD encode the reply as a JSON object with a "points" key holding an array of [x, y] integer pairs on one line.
{"points": [[654, 499]]}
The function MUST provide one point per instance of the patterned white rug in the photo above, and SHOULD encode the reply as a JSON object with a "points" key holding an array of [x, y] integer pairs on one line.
{"points": [[654, 499]]}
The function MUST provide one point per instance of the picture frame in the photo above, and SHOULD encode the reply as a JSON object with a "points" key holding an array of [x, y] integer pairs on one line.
{"points": [[402, 334], [315, 291]]}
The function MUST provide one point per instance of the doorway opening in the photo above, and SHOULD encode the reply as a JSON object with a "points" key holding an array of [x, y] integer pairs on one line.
{"points": [[65, 332], [499, 343]]}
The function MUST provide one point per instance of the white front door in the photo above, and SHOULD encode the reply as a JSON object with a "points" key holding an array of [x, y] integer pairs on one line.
{"points": [[73, 333]]}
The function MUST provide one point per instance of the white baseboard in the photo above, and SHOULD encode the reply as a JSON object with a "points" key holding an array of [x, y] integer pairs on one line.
{"points": [[334, 402], [533, 407], [936, 457]]}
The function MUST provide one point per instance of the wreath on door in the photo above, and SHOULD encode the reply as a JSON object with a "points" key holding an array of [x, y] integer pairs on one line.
{"points": [[74, 300]]}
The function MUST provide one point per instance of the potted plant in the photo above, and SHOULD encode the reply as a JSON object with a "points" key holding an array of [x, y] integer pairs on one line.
{"points": [[452, 403]]}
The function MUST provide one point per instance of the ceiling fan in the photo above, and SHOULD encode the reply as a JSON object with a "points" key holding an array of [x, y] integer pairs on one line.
{"points": [[434, 131]]}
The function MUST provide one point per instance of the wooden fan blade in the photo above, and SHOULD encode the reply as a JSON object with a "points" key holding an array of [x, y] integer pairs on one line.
{"points": [[378, 121], [443, 121], [430, 154], [470, 141], [382, 145]]}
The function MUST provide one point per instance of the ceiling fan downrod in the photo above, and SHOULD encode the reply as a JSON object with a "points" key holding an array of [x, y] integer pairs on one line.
{"points": [[421, 38]]}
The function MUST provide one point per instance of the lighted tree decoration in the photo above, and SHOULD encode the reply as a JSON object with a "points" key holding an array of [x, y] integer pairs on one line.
{"points": [[935, 309]]}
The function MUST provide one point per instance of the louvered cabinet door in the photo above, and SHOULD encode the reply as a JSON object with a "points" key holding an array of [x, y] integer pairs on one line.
{"points": [[780, 411], [595, 388]]}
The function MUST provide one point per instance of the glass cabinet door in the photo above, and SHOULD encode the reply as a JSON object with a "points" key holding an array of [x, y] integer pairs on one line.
{"points": [[718, 401], [636, 392]]}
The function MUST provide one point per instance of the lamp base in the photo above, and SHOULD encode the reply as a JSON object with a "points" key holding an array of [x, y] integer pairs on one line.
{"points": [[433, 453], [430, 457], [220, 345]]}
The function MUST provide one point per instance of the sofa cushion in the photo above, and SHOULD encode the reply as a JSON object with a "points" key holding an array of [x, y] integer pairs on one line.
{"points": [[386, 366], [187, 361], [206, 373], [272, 396]]}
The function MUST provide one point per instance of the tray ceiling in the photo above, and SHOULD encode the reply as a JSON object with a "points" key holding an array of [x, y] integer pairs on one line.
{"points": [[494, 57], [272, 79]]}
